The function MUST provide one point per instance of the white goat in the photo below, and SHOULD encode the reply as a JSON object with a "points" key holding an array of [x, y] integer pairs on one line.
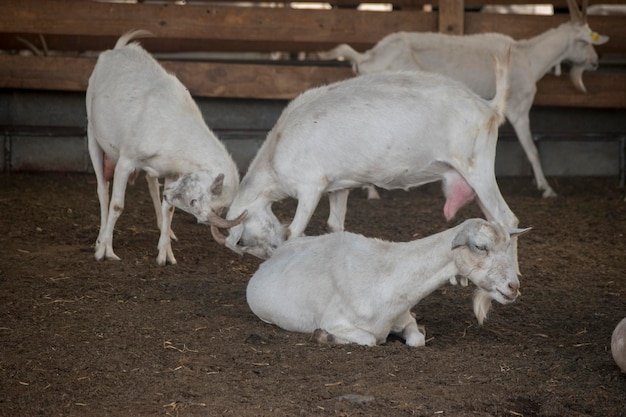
{"points": [[394, 130], [468, 59], [618, 345], [351, 289], [533, 9], [142, 118], [607, 10]]}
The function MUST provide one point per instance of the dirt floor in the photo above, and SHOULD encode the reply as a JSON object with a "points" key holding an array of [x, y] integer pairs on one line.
{"points": [[85, 338]]}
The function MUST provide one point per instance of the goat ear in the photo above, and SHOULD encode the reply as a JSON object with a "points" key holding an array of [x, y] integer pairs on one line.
{"points": [[513, 232], [459, 240], [598, 39], [469, 228], [218, 185]]}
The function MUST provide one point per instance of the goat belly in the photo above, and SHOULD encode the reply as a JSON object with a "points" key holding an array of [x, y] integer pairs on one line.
{"points": [[279, 300]]}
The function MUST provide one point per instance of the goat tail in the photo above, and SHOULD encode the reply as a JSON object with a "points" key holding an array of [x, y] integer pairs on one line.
{"points": [[131, 35], [498, 103], [482, 305], [344, 51]]}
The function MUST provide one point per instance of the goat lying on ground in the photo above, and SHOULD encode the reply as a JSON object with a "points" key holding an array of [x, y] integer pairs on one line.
{"points": [[468, 59], [351, 289], [394, 130], [142, 118]]}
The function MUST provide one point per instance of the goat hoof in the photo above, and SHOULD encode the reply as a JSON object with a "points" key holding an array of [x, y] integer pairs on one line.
{"points": [[549, 193], [322, 336]]}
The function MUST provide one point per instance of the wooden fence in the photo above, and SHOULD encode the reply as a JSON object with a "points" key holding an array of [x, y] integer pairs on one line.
{"points": [[71, 27]]}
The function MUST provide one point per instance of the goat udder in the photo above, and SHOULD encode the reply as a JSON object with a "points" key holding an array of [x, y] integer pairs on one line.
{"points": [[458, 193], [109, 170]]}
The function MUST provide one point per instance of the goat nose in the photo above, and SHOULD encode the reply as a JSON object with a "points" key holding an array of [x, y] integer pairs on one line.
{"points": [[514, 287]]}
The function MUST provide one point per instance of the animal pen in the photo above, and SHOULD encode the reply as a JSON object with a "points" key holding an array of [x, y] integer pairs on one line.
{"points": [[80, 337]]}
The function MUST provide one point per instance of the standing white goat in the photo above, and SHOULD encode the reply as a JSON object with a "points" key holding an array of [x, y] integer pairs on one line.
{"points": [[394, 130], [468, 59], [351, 289], [142, 118]]}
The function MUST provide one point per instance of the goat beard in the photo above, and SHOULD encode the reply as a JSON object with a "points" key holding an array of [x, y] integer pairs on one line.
{"points": [[482, 305], [576, 75]]}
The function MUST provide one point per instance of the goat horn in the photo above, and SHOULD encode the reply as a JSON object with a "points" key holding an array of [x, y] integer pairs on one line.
{"points": [[218, 222], [218, 235], [583, 12], [574, 12]]}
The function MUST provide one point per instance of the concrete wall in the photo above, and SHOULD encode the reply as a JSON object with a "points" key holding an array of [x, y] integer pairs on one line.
{"points": [[242, 125]]}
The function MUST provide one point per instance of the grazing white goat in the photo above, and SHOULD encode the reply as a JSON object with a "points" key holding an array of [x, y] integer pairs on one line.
{"points": [[351, 289], [142, 118], [468, 59], [394, 130], [618, 345]]}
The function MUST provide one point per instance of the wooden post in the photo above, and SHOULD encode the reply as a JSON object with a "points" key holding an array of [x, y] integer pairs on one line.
{"points": [[451, 16]]}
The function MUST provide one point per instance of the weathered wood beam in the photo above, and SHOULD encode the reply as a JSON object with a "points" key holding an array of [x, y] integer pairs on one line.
{"points": [[86, 25], [612, 26], [451, 17], [335, 3], [605, 90], [203, 79], [215, 27]]}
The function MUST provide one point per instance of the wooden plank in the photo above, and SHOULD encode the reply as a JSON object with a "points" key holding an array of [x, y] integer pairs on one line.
{"points": [[253, 80], [605, 90], [210, 27], [612, 26], [203, 79], [556, 3], [86, 25], [354, 3], [451, 17]]}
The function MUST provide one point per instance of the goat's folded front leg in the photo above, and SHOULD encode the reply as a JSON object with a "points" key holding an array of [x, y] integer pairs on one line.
{"points": [[407, 328]]}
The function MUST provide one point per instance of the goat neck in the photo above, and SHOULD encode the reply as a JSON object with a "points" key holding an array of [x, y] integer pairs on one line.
{"points": [[437, 269], [548, 49]]}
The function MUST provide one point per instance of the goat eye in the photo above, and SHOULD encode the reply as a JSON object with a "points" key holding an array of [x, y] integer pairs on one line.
{"points": [[193, 202], [480, 248]]}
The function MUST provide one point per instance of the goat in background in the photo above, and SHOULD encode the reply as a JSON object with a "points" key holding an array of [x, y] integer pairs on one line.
{"points": [[468, 59]]}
